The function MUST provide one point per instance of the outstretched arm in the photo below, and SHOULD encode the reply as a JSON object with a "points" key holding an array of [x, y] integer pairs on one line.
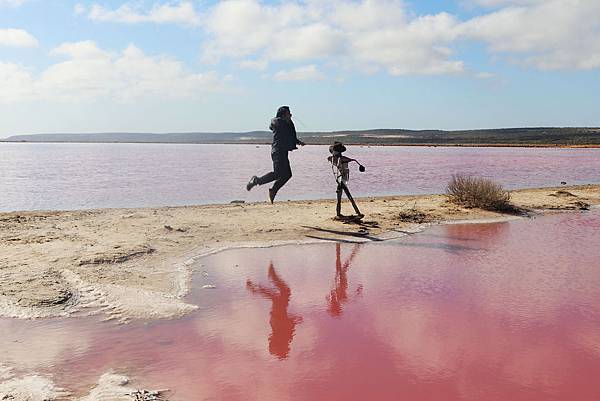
{"points": [[260, 290]]}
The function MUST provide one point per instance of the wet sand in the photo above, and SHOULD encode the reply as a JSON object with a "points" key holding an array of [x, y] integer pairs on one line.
{"points": [[136, 263]]}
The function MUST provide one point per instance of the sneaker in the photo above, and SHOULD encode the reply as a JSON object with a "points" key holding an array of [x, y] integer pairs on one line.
{"points": [[252, 183], [272, 195]]}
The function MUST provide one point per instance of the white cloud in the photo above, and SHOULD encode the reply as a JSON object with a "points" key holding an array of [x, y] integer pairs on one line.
{"points": [[80, 50], [421, 46], [17, 38], [317, 40], [554, 34], [245, 27], [374, 35], [368, 35], [259, 65], [304, 73], [182, 13], [90, 73], [16, 82], [357, 35]]}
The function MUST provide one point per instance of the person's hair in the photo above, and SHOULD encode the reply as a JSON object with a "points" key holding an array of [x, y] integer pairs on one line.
{"points": [[283, 110]]}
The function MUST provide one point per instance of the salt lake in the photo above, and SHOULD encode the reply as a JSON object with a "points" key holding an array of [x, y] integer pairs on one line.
{"points": [[66, 176]]}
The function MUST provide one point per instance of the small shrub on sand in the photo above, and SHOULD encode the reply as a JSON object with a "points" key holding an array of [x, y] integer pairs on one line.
{"points": [[478, 192]]}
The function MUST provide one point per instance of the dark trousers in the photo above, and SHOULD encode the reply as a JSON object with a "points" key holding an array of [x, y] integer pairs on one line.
{"points": [[281, 173]]}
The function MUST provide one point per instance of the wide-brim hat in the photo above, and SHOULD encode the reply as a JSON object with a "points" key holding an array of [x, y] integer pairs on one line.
{"points": [[337, 147]]}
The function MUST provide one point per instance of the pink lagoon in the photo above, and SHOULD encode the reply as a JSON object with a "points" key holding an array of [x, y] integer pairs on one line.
{"points": [[69, 176], [500, 311]]}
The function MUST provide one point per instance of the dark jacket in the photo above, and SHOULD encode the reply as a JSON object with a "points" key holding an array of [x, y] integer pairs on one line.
{"points": [[284, 135]]}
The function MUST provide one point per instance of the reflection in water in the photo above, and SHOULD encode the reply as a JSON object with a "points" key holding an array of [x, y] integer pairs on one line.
{"points": [[514, 315], [481, 233], [339, 295], [282, 323]]}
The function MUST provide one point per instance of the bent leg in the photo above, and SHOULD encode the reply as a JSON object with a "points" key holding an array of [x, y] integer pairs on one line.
{"points": [[347, 191], [265, 179]]}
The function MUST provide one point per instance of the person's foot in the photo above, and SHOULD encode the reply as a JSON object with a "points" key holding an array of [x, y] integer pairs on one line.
{"points": [[252, 183], [272, 194]]}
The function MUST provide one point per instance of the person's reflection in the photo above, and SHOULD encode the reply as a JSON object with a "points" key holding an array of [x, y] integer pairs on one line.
{"points": [[339, 295], [283, 324]]}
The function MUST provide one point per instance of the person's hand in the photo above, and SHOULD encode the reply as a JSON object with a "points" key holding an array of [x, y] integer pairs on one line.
{"points": [[301, 143]]}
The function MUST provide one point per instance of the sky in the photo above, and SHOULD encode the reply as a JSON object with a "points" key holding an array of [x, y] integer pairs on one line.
{"points": [[218, 66]]}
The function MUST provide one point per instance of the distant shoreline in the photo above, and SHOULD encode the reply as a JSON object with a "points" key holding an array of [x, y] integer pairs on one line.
{"points": [[446, 145], [500, 137]]}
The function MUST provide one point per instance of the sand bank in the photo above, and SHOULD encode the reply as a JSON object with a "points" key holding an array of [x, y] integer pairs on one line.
{"points": [[136, 263], [110, 386]]}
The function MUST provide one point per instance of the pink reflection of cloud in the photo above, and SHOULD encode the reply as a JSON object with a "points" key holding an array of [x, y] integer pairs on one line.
{"points": [[437, 340]]}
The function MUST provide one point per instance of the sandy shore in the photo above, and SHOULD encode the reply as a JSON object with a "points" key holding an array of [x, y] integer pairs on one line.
{"points": [[136, 263], [110, 387]]}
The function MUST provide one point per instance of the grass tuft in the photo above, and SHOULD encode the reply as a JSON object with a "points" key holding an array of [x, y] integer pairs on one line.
{"points": [[478, 192]]}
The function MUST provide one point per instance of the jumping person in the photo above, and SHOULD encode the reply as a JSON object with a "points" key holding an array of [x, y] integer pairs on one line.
{"points": [[284, 141]]}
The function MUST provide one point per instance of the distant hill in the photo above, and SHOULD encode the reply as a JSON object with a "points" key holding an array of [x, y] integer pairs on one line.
{"points": [[506, 136], [127, 137]]}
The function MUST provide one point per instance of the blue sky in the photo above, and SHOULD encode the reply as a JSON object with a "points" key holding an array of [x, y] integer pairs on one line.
{"points": [[176, 66]]}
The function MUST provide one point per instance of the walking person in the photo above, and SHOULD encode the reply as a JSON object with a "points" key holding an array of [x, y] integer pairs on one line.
{"points": [[284, 141]]}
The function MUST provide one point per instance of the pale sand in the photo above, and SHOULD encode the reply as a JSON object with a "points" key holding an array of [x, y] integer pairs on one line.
{"points": [[113, 387], [5, 372], [110, 387], [29, 388], [136, 263]]}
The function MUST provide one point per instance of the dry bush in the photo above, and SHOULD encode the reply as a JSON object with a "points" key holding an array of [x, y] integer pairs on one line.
{"points": [[478, 192], [413, 216]]}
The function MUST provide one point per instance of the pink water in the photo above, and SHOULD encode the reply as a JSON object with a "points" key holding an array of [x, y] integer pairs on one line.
{"points": [[507, 311], [83, 176]]}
